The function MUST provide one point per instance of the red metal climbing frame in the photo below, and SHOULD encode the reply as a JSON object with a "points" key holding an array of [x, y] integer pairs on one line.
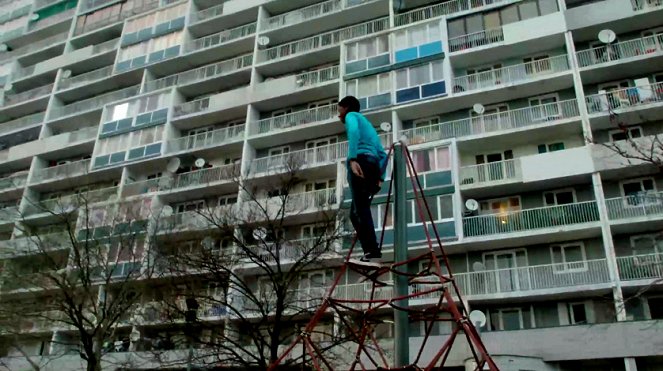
{"points": [[360, 316]]}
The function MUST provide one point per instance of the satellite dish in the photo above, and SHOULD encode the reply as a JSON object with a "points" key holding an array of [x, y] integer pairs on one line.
{"points": [[386, 127], [167, 210], [34, 17], [3, 47], [173, 164], [471, 204], [199, 162], [478, 318], [300, 82], [66, 74], [8, 87], [259, 233], [263, 41], [478, 267], [479, 108], [607, 36]]}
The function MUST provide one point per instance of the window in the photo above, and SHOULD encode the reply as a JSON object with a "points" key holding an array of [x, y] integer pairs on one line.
{"points": [[441, 207], [499, 205], [552, 147], [577, 313], [510, 319], [637, 187], [431, 159], [367, 48], [278, 151], [119, 111], [184, 207], [417, 35], [568, 258], [626, 133], [544, 108], [369, 86], [495, 166], [537, 64], [378, 212], [151, 45], [419, 75], [655, 307], [227, 200], [559, 197], [647, 244]]}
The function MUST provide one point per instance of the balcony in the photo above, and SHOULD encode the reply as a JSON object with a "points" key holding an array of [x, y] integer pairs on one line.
{"points": [[21, 123], [53, 19], [272, 124], [304, 14], [511, 75], [291, 250], [201, 74], [9, 214], [144, 6], [206, 140], [625, 99], [531, 219], [220, 38], [208, 13], [300, 203], [640, 267], [72, 203], [644, 47], [495, 123], [94, 103], [443, 9], [203, 177], [493, 173], [189, 108], [14, 181], [476, 39], [645, 206], [51, 41], [324, 40], [307, 158], [11, 99], [646, 4], [85, 78], [307, 86], [67, 170], [194, 220], [316, 77]]}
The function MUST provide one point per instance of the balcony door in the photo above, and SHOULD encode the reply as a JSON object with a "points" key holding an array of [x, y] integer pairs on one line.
{"points": [[322, 198], [506, 271], [491, 167], [494, 118], [544, 108], [321, 150]]}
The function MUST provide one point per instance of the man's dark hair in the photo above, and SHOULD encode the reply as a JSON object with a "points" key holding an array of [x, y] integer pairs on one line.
{"points": [[351, 103]]}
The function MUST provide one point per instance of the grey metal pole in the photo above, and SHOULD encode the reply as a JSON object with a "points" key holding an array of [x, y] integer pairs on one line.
{"points": [[401, 287]]}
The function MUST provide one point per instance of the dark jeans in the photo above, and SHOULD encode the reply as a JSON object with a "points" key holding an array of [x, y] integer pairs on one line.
{"points": [[360, 211]]}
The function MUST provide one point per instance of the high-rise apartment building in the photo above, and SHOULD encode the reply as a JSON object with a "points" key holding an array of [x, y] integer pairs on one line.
{"points": [[510, 108]]}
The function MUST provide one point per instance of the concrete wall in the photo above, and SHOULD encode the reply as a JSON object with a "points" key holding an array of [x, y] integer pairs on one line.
{"points": [[598, 13], [534, 28], [559, 164]]}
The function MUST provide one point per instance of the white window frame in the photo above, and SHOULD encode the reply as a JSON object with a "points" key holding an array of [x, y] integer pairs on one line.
{"points": [[429, 35], [572, 319], [408, 70], [437, 166], [376, 42], [225, 199], [568, 267], [555, 192], [535, 69], [647, 200], [437, 218], [283, 149], [500, 199], [199, 204], [380, 89], [380, 216], [628, 133], [500, 325]]}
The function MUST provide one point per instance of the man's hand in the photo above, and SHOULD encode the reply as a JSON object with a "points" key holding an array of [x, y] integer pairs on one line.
{"points": [[356, 169]]}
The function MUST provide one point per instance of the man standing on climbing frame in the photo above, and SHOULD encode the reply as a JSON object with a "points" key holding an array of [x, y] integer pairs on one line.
{"points": [[366, 167]]}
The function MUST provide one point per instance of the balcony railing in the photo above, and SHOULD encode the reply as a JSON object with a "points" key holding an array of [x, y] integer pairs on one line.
{"points": [[476, 39], [113, 18], [54, 19], [495, 122], [639, 267], [438, 10], [106, 46], [317, 77], [620, 51], [646, 4], [95, 102], [491, 173], [66, 170], [291, 250], [85, 78], [308, 157], [20, 123], [625, 98], [73, 202], [201, 177], [14, 181], [300, 202], [25, 96], [208, 13], [308, 116], [324, 40], [8, 214], [188, 108], [303, 14], [49, 41], [204, 140], [646, 204], [511, 74], [202, 73], [531, 219], [220, 38]]}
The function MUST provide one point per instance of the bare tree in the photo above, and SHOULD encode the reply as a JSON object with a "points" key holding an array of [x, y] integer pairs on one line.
{"points": [[78, 277], [236, 290]]}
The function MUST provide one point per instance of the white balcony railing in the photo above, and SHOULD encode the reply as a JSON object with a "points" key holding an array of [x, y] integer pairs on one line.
{"points": [[208, 13], [321, 41], [47, 42], [202, 73], [51, 20], [201, 177], [625, 98], [9, 214], [640, 267], [646, 4], [548, 113], [106, 46], [85, 78], [308, 116], [620, 51], [511, 74], [531, 219], [14, 181], [291, 250], [66, 170], [305, 158], [300, 202], [536, 277], [476, 39], [220, 38], [20, 123], [131, 10], [189, 108], [204, 140], [317, 77], [31, 94], [438, 10], [303, 14], [646, 204], [491, 173], [95, 102], [73, 202]]}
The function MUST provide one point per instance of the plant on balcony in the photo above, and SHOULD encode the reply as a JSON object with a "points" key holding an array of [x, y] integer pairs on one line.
{"points": [[74, 279], [246, 250]]}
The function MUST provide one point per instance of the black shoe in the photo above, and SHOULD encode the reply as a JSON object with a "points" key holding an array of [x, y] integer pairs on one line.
{"points": [[371, 255]]}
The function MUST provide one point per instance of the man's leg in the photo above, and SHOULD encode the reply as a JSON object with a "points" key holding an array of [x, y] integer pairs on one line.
{"points": [[361, 217]]}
